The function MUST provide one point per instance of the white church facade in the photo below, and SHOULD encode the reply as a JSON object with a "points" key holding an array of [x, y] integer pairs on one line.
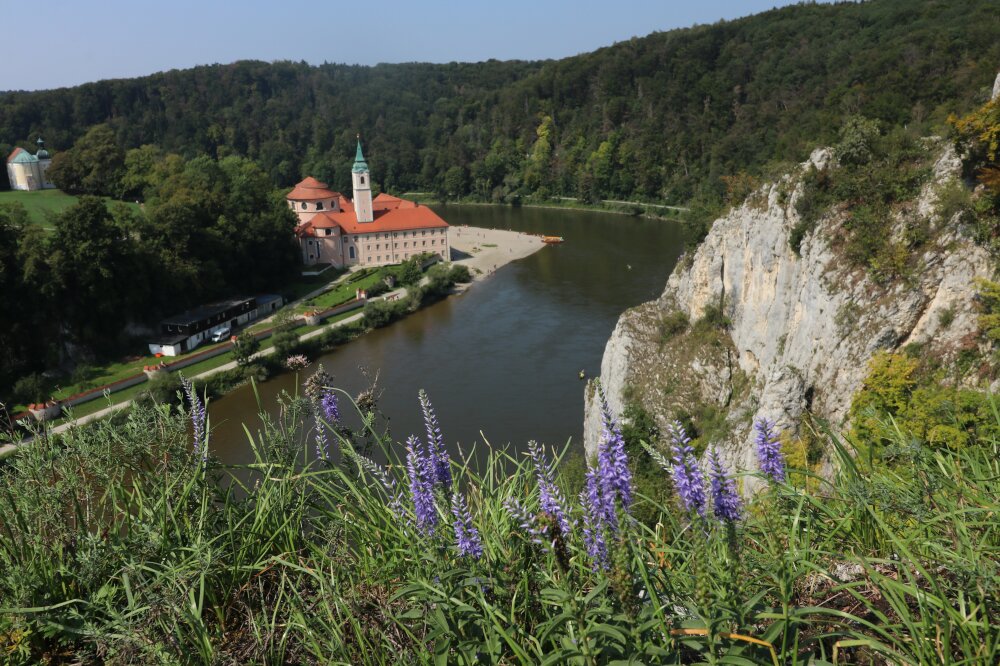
{"points": [[364, 231], [28, 172]]}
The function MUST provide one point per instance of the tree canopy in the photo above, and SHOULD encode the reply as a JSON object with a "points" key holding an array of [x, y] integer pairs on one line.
{"points": [[661, 117]]}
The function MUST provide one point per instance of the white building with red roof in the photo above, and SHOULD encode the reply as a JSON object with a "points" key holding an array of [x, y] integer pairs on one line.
{"points": [[26, 171], [364, 232]]}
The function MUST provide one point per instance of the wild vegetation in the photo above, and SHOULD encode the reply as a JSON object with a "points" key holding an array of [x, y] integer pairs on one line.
{"points": [[129, 543]]}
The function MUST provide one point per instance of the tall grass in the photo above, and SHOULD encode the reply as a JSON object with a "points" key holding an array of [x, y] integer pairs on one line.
{"points": [[118, 545]]}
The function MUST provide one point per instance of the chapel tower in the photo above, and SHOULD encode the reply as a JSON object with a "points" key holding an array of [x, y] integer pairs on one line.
{"points": [[362, 187]]}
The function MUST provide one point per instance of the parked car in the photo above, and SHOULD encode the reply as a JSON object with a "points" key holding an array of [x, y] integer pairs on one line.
{"points": [[222, 334]]}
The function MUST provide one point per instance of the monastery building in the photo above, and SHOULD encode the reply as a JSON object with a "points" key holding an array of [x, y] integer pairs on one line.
{"points": [[364, 232], [26, 171]]}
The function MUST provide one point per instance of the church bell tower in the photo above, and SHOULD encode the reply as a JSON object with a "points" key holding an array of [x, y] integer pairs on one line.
{"points": [[362, 187]]}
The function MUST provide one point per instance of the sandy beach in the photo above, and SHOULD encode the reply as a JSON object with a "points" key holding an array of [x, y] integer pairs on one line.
{"points": [[485, 251]]}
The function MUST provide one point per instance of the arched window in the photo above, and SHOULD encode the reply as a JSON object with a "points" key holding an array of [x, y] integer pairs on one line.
{"points": [[362, 180]]}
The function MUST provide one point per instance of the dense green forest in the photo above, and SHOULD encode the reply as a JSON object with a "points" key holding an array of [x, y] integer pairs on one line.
{"points": [[672, 116], [208, 229]]}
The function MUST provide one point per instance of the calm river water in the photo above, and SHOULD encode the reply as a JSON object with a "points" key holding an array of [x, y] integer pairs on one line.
{"points": [[504, 358]]}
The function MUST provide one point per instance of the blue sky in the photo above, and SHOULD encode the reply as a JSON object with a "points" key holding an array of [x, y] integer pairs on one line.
{"points": [[67, 42]]}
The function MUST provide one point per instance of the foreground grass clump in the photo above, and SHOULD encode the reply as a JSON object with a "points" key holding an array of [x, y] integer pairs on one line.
{"points": [[127, 543]]}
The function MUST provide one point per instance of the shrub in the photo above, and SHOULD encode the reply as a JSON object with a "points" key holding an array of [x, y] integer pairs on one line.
{"points": [[409, 272], [382, 313], [244, 347], [673, 324], [31, 388], [459, 273], [713, 317], [857, 141], [285, 342]]}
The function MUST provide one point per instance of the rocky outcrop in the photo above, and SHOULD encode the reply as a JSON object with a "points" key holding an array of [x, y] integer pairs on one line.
{"points": [[801, 327]]}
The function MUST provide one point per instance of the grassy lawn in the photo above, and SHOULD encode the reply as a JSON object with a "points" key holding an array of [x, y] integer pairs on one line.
{"points": [[43, 204], [305, 284], [345, 291]]}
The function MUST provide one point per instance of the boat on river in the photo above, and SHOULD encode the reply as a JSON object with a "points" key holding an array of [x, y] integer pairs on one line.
{"points": [[552, 239]]}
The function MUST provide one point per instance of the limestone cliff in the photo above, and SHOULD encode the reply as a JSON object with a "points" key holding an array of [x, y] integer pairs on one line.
{"points": [[801, 327]]}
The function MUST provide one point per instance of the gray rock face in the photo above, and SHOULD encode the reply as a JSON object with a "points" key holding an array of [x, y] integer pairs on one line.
{"points": [[803, 327], [996, 87]]}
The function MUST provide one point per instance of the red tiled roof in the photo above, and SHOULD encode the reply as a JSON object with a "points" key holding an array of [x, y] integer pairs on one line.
{"points": [[406, 216], [310, 189], [14, 153], [388, 202]]}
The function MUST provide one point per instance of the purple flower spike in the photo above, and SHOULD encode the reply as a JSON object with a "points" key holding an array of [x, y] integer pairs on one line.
{"points": [[328, 406], [198, 418], [725, 501], [688, 479], [769, 456], [594, 521], [616, 477], [421, 488], [524, 519], [550, 497], [437, 457], [466, 535]]}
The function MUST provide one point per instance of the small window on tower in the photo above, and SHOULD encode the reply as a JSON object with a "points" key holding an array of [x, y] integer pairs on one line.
{"points": [[362, 180]]}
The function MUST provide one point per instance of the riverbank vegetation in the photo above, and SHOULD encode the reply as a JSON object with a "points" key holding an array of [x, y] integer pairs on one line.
{"points": [[129, 543]]}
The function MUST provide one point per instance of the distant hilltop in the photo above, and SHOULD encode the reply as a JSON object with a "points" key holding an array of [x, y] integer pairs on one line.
{"points": [[666, 118]]}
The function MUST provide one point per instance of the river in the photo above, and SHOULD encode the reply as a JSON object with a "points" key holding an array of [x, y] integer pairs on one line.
{"points": [[501, 361]]}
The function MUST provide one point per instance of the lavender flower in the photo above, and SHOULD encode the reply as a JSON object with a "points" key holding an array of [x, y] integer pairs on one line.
{"points": [[725, 500], [437, 458], [550, 497], [594, 523], [524, 519], [198, 417], [616, 478], [466, 535], [688, 479], [421, 487], [328, 406], [769, 457]]}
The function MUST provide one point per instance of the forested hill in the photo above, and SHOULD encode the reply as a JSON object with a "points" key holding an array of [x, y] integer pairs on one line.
{"points": [[669, 116]]}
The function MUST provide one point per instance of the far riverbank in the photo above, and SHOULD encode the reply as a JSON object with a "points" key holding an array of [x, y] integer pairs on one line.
{"points": [[482, 250]]}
